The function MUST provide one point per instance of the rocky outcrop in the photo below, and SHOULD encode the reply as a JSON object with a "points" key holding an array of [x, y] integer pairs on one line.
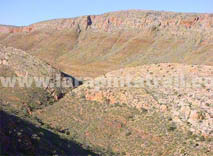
{"points": [[36, 82], [182, 92], [124, 20], [12, 29]]}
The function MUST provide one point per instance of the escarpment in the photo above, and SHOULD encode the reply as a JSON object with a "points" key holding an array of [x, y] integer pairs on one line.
{"points": [[124, 20], [96, 44]]}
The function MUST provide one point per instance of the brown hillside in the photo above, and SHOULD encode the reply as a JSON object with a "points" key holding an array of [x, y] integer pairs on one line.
{"points": [[183, 92], [96, 44], [16, 63], [140, 117], [134, 120]]}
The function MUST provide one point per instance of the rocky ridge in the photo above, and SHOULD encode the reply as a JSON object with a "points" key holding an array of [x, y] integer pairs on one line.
{"points": [[17, 64], [189, 106], [116, 40], [124, 20]]}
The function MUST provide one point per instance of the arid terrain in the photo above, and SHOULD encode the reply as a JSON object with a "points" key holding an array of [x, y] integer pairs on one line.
{"points": [[93, 45], [165, 106]]}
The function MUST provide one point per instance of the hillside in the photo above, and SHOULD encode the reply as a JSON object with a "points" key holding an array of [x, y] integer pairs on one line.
{"points": [[96, 44], [26, 94], [20, 134], [146, 85], [25, 136], [182, 92], [134, 120]]}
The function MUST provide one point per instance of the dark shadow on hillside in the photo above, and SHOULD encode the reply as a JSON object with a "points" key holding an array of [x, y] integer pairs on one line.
{"points": [[75, 81], [19, 137]]}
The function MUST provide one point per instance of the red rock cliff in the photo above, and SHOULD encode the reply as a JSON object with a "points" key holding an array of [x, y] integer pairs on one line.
{"points": [[124, 20]]}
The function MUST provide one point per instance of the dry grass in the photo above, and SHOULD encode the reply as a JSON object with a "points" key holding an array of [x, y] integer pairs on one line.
{"points": [[118, 128]]}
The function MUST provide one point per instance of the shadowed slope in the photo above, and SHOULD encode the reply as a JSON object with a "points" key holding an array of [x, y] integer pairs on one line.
{"points": [[20, 137]]}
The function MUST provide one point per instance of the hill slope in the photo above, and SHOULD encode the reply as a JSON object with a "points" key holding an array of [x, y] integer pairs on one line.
{"points": [[96, 44], [160, 111], [20, 134], [27, 83], [180, 91], [154, 119]]}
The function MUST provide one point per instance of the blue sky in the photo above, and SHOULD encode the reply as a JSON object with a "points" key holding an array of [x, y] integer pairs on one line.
{"points": [[25, 12]]}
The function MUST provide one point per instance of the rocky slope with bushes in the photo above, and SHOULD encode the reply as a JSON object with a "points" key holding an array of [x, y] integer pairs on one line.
{"points": [[181, 92], [28, 83]]}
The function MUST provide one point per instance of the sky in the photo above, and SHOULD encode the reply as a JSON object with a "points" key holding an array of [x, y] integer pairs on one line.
{"points": [[25, 12]]}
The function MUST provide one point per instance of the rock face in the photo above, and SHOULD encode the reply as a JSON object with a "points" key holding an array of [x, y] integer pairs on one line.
{"points": [[96, 44], [124, 20]]}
